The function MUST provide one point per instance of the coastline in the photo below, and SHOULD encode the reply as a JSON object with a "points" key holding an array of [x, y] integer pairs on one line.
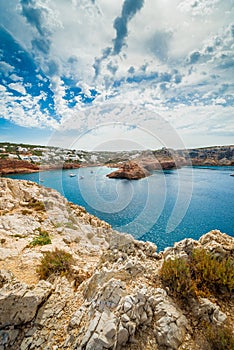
{"points": [[36, 169], [131, 165]]}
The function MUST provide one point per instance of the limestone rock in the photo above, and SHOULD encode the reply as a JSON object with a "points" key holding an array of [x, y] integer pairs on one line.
{"points": [[19, 304], [207, 311], [113, 298], [171, 324]]}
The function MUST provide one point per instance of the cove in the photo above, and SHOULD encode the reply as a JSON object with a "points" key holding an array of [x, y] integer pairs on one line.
{"points": [[163, 208]]}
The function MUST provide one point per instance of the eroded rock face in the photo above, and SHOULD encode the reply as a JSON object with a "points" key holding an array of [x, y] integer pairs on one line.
{"points": [[9, 166], [135, 170], [207, 311], [115, 299], [171, 324], [130, 171], [18, 302]]}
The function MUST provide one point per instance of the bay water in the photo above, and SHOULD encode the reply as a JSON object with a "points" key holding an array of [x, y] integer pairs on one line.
{"points": [[163, 208]]}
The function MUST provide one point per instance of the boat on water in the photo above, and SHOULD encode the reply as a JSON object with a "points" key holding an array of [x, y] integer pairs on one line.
{"points": [[81, 177], [232, 174], [72, 175]]}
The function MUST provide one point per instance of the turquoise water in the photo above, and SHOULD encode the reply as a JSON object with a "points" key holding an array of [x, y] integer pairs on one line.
{"points": [[163, 208]]}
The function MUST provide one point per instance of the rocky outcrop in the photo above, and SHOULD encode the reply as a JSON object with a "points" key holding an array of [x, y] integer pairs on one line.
{"points": [[130, 171], [208, 156], [13, 166], [18, 302], [140, 168], [61, 165], [8, 166], [160, 163], [114, 299]]}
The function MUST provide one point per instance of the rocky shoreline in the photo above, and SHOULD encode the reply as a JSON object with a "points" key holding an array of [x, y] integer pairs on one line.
{"points": [[9, 166], [139, 165], [167, 159], [114, 297]]}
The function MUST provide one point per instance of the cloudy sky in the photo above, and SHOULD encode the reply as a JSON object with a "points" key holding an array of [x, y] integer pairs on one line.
{"points": [[140, 72]]}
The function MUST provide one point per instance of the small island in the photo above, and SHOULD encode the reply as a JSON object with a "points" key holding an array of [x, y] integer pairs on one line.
{"points": [[130, 171]]}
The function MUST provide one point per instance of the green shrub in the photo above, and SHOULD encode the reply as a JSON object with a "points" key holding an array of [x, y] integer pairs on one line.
{"points": [[42, 239], [55, 263], [202, 272], [211, 272], [219, 337], [176, 275]]}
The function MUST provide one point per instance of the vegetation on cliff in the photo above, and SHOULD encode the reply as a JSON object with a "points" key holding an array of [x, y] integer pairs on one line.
{"points": [[82, 285], [201, 273]]}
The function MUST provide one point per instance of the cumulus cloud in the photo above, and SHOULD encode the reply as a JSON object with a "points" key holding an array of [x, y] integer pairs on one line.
{"points": [[17, 87], [159, 55]]}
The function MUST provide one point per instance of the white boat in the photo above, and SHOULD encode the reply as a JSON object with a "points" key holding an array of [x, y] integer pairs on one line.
{"points": [[232, 174], [72, 175]]}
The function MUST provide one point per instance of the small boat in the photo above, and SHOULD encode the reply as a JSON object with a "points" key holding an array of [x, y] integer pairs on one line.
{"points": [[81, 177], [41, 180], [232, 174], [72, 175]]}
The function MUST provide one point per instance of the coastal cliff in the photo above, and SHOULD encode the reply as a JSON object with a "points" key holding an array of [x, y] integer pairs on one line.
{"points": [[10, 166], [146, 161], [106, 290], [165, 159], [13, 166]]}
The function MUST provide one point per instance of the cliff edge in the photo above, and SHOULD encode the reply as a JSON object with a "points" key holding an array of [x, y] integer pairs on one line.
{"points": [[106, 290]]}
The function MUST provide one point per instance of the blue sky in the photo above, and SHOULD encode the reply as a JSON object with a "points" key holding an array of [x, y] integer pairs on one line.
{"points": [[101, 73]]}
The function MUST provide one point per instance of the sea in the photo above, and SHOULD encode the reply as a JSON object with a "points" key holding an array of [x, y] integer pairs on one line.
{"points": [[163, 208]]}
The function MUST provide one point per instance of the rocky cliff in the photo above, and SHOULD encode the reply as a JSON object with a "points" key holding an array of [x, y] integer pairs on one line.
{"points": [[10, 166], [130, 171], [140, 168], [113, 296], [13, 166], [217, 155], [164, 159]]}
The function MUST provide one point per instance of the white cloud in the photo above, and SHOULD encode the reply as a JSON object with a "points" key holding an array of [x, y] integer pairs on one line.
{"points": [[15, 77], [6, 68], [18, 87], [180, 53]]}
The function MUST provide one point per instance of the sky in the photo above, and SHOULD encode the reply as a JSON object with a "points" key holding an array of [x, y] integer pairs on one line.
{"points": [[123, 74]]}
